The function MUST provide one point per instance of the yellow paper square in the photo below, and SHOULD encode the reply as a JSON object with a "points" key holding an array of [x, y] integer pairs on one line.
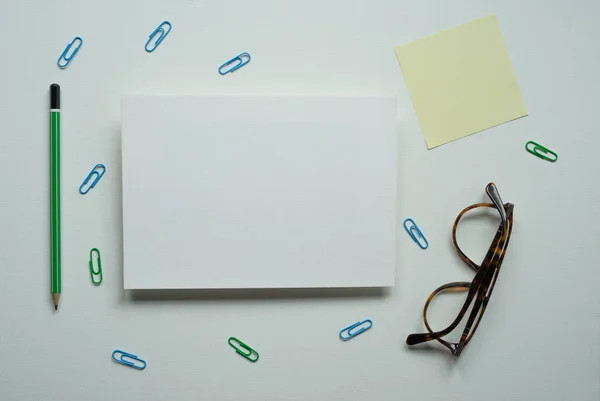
{"points": [[461, 81]]}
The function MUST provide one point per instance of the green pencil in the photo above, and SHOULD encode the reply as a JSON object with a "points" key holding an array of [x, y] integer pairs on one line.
{"points": [[55, 191]]}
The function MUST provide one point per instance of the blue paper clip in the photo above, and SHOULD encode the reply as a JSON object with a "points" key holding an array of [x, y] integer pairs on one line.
{"points": [[352, 334], [415, 232], [163, 34], [125, 362], [242, 60], [98, 175], [64, 55]]}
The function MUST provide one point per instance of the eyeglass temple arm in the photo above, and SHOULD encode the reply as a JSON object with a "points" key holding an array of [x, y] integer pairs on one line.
{"points": [[485, 290], [494, 195], [480, 304]]}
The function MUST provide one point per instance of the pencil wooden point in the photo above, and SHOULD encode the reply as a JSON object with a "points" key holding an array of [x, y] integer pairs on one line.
{"points": [[55, 297]]}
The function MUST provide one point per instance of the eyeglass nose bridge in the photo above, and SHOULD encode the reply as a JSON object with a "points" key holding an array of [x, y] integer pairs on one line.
{"points": [[457, 348]]}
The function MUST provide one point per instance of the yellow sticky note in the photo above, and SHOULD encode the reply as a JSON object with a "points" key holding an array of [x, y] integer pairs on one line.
{"points": [[461, 81]]}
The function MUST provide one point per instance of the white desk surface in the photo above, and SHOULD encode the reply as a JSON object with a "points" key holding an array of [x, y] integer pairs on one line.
{"points": [[539, 339]]}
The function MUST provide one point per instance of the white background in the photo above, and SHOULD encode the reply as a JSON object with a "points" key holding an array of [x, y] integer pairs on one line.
{"points": [[539, 337]]}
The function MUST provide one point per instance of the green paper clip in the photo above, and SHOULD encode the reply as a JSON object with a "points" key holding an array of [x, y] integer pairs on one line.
{"points": [[93, 272], [541, 151], [246, 351]]}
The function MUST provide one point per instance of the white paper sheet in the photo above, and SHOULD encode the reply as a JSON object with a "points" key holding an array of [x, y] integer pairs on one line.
{"points": [[258, 192]]}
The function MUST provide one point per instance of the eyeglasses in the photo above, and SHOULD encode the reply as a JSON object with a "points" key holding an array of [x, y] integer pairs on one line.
{"points": [[480, 289]]}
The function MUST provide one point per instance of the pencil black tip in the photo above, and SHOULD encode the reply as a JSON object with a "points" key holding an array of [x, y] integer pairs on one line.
{"points": [[55, 307], [54, 96]]}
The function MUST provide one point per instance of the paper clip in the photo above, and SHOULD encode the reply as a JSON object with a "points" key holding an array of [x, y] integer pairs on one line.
{"points": [[242, 60], [64, 56], [98, 175], [163, 34], [248, 351], [93, 272], [415, 232], [541, 151], [125, 362], [352, 334]]}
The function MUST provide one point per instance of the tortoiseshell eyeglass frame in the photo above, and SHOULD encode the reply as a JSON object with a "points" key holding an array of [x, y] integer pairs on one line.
{"points": [[480, 289]]}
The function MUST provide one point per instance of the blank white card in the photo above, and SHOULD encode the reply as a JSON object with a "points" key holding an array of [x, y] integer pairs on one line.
{"points": [[258, 192]]}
